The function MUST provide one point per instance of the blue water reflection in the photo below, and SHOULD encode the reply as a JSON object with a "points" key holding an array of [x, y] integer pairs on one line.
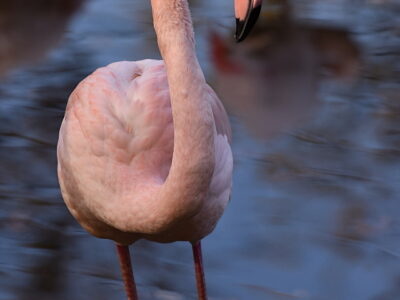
{"points": [[314, 210]]}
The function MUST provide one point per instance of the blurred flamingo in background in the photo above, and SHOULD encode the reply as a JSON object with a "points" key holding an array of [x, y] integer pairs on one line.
{"points": [[271, 81], [144, 151]]}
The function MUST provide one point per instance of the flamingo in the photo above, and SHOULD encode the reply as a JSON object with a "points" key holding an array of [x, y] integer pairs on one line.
{"points": [[144, 147]]}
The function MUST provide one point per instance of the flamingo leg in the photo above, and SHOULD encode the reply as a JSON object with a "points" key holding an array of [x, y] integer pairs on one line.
{"points": [[198, 265], [127, 274]]}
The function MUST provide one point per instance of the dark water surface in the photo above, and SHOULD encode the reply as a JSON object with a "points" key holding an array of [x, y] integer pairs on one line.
{"points": [[315, 205]]}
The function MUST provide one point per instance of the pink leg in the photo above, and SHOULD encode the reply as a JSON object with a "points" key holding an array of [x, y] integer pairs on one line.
{"points": [[198, 265], [127, 274]]}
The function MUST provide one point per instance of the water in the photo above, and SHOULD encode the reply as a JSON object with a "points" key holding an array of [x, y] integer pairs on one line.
{"points": [[315, 205]]}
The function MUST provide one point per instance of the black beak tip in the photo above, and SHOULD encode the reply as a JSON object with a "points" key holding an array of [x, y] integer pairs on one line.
{"points": [[239, 35], [244, 27]]}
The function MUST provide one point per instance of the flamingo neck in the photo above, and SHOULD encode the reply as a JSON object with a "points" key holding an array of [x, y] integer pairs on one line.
{"points": [[193, 156], [175, 37]]}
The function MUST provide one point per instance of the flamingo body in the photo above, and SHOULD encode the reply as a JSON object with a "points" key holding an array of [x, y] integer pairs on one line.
{"points": [[115, 151], [144, 151]]}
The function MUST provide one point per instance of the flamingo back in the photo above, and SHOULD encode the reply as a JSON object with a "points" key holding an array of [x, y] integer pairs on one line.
{"points": [[115, 151]]}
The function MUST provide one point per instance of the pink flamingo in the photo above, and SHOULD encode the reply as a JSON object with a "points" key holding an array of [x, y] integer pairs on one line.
{"points": [[144, 151]]}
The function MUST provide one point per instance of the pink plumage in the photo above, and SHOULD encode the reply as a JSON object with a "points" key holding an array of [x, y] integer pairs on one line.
{"points": [[144, 151], [115, 151]]}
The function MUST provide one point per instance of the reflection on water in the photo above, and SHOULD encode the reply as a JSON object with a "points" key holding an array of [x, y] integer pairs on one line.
{"points": [[271, 81], [314, 212], [28, 29]]}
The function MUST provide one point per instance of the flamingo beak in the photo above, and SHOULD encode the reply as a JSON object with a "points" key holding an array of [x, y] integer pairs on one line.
{"points": [[246, 13]]}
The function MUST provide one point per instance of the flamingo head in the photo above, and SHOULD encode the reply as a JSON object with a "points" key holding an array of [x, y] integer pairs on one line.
{"points": [[246, 13]]}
